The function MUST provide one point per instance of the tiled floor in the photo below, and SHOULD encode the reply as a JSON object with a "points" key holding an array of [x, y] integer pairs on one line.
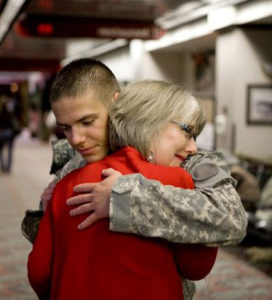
{"points": [[20, 190], [231, 278]]}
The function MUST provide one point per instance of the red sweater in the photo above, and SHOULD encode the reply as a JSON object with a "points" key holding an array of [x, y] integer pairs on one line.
{"points": [[99, 264]]}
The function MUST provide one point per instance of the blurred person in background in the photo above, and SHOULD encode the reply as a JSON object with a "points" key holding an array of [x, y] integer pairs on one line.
{"points": [[9, 129]]}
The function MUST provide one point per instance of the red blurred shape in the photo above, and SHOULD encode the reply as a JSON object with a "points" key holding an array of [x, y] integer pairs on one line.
{"points": [[77, 27], [45, 28]]}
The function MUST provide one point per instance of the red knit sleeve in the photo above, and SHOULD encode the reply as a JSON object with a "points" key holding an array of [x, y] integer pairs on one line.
{"points": [[194, 262], [39, 259]]}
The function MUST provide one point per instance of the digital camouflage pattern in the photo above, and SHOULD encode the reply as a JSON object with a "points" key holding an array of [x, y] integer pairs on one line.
{"points": [[62, 153], [30, 224], [65, 159], [212, 213], [75, 163]]}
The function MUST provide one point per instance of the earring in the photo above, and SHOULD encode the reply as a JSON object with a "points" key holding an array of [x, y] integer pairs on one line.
{"points": [[150, 156]]}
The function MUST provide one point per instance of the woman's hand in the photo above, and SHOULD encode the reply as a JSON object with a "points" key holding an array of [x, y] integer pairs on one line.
{"points": [[47, 194], [94, 198]]}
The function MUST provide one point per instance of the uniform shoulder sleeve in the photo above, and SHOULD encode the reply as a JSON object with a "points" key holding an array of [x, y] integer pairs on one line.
{"points": [[75, 163], [62, 153], [30, 224]]}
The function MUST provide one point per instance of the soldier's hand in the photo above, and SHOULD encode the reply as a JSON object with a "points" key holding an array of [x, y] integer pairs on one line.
{"points": [[47, 194], [93, 198]]}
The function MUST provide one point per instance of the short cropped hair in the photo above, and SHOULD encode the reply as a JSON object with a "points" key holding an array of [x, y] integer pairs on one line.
{"points": [[143, 109], [82, 76]]}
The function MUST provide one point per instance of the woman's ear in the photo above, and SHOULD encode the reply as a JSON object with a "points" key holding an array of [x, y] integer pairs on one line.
{"points": [[115, 96]]}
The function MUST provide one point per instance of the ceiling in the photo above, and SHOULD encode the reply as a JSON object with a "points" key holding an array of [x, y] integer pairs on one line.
{"points": [[38, 34], [41, 32]]}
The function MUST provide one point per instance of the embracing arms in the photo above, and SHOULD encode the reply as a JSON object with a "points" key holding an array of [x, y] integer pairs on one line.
{"points": [[212, 213]]}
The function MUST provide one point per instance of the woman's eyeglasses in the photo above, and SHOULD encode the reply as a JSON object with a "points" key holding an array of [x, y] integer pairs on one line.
{"points": [[186, 128]]}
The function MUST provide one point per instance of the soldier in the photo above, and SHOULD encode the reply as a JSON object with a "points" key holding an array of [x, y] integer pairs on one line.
{"points": [[210, 214], [97, 263]]}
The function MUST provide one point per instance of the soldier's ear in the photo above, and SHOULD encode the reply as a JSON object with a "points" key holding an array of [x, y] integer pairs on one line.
{"points": [[115, 96]]}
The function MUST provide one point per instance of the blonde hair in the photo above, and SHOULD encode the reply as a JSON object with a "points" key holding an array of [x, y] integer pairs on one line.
{"points": [[144, 108]]}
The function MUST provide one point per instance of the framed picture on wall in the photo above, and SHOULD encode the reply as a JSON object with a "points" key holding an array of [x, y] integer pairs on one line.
{"points": [[259, 104]]}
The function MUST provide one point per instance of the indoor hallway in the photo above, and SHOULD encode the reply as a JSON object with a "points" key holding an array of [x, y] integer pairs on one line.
{"points": [[231, 278]]}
